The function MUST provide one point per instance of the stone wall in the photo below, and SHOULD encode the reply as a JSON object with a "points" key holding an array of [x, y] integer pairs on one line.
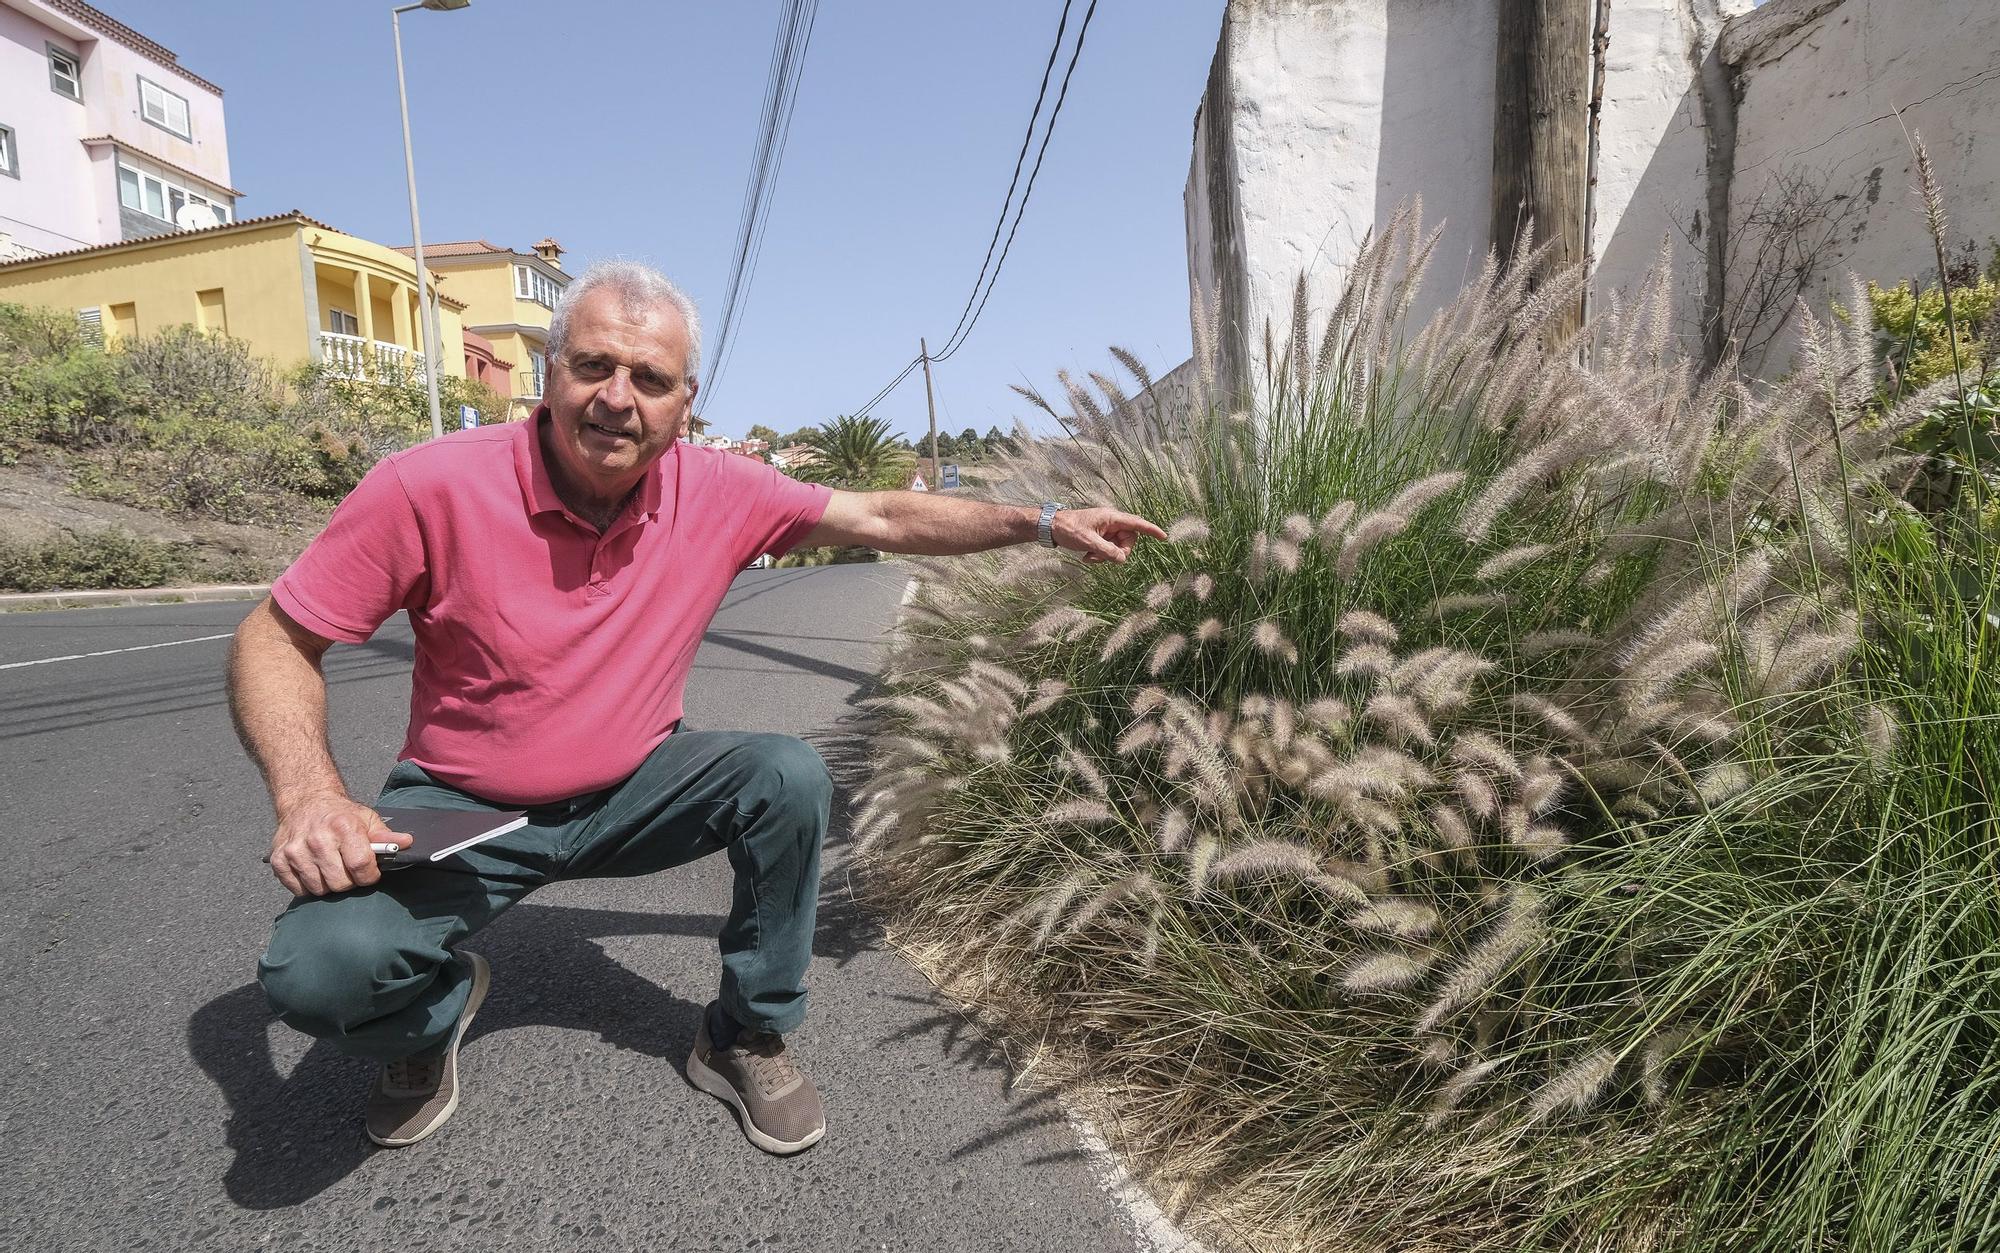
{"points": [[1760, 148]]}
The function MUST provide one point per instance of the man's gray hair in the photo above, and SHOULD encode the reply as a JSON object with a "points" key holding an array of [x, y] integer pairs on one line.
{"points": [[640, 286]]}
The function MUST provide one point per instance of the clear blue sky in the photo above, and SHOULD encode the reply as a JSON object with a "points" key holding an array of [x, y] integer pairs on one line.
{"points": [[624, 129]]}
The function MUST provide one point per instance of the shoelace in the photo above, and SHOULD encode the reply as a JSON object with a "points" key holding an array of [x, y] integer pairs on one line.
{"points": [[770, 1063], [414, 1074]]}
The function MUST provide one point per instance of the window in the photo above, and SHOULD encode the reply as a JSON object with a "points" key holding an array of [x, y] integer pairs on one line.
{"points": [[91, 322], [538, 367], [163, 108], [10, 161], [65, 73], [151, 194], [341, 322], [532, 284]]}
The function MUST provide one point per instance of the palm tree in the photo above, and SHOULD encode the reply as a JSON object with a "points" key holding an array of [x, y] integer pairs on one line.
{"points": [[856, 453]]}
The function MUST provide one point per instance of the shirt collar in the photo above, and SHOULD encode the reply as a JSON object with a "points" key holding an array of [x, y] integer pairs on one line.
{"points": [[539, 490]]}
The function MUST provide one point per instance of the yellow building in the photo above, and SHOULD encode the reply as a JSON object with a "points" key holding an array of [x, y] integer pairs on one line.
{"points": [[294, 289], [509, 299]]}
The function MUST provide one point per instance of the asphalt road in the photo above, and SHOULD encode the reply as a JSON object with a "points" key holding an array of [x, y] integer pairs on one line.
{"points": [[151, 1102]]}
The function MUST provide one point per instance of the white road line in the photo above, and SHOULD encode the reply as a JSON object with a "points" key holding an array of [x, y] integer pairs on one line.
{"points": [[1152, 1230], [136, 648]]}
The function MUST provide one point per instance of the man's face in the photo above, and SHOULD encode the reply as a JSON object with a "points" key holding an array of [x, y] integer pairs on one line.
{"points": [[619, 394]]}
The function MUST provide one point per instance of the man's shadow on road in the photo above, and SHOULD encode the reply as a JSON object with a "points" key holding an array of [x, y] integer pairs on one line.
{"points": [[296, 1135]]}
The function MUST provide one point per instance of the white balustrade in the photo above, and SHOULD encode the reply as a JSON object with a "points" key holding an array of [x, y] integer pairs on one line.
{"points": [[351, 356]]}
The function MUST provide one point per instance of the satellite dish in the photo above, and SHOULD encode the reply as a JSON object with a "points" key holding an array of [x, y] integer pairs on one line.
{"points": [[193, 217]]}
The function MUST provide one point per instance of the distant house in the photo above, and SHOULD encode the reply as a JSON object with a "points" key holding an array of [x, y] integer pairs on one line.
{"points": [[510, 296], [793, 456], [104, 135], [294, 288]]}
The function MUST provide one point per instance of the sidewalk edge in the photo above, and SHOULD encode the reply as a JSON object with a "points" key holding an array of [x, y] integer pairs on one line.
{"points": [[16, 602]]}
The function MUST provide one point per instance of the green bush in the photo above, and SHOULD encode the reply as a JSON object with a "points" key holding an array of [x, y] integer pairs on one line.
{"points": [[194, 423], [54, 387], [100, 559], [1480, 826]]}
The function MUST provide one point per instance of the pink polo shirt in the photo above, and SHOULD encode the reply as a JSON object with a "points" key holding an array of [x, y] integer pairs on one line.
{"points": [[550, 660]]}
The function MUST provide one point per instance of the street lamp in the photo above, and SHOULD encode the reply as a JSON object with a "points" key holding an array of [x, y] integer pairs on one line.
{"points": [[425, 304]]}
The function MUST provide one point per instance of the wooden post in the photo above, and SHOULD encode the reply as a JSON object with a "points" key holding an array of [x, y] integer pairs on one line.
{"points": [[1541, 129], [937, 475]]}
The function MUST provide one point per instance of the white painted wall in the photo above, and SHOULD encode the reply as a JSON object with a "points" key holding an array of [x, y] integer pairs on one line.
{"points": [[1334, 113], [1821, 85], [1321, 115], [1652, 179]]}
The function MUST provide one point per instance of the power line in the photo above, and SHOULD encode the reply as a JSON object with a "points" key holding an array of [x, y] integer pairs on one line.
{"points": [[975, 304], [891, 386], [1020, 159], [1055, 113], [781, 84]]}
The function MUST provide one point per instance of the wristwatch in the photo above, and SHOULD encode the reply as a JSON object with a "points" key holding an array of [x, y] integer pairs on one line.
{"points": [[1045, 528]]}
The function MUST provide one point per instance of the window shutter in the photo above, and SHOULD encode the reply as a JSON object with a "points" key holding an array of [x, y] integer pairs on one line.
{"points": [[91, 323]]}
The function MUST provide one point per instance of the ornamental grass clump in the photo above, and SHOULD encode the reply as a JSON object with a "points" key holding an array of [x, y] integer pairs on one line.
{"points": [[1445, 837]]}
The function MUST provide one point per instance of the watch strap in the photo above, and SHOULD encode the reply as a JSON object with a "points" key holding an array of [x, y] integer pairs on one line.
{"points": [[1045, 528]]}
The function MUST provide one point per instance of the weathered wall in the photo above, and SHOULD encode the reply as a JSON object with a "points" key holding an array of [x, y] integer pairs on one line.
{"points": [[1760, 147], [1319, 117], [1823, 169]]}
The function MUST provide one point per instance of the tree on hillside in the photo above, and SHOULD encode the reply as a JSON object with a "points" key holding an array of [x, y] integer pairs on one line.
{"points": [[859, 454], [760, 431]]}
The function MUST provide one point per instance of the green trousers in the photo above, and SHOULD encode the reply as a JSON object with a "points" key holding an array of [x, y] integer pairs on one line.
{"points": [[370, 971]]}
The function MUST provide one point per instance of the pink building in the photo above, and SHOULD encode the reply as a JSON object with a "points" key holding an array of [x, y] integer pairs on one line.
{"points": [[483, 365], [104, 136]]}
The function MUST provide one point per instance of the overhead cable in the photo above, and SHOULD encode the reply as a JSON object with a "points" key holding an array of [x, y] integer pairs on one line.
{"points": [[959, 338], [982, 286], [781, 85]]}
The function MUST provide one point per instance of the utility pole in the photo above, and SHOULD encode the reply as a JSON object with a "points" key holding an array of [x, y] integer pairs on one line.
{"points": [[426, 302], [1541, 129], [937, 474]]}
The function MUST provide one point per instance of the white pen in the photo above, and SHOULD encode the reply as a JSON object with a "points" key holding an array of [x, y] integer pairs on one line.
{"points": [[387, 848]]}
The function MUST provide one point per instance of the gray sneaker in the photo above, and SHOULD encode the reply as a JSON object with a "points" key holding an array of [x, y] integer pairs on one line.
{"points": [[778, 1106], [414, 1096]]}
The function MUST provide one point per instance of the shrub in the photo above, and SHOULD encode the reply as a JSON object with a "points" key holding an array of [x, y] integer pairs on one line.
{"points": [[204, 374], [111, 558], [54, 387], [1454, 835]]}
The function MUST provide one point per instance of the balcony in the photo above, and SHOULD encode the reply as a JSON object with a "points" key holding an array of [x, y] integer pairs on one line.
{"points": [[351, 356], [528, 385]]}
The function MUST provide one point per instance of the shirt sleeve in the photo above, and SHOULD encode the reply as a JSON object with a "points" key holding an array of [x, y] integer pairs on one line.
{"points": [[782, 510], [366, 564]]}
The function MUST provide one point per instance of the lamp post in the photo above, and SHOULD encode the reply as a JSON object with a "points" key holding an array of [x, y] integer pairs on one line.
{"points": [[426, 306]]}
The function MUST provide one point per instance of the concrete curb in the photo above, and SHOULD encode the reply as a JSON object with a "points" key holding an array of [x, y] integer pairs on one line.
{"points": [[16, 602]]}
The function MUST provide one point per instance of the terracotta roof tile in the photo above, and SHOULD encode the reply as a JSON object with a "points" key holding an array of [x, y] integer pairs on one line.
{"points": [[454, 248], [218, 229]]}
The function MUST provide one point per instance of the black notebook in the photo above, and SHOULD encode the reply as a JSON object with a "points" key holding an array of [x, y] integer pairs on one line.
{"points": [[438, 833]]}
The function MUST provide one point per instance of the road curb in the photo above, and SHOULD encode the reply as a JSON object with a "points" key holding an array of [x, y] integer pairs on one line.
{"points": [[17, 602]]}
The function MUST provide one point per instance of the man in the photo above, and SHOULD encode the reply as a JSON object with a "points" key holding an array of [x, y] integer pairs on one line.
{"points": [[558, 575]]}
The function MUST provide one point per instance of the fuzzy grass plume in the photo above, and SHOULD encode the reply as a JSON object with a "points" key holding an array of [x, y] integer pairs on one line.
{"points": [[1486, 786]]}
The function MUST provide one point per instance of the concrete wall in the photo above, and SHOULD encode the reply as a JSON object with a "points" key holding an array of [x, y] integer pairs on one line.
{"points": [[1319, 117], [1752, 144], [256, 267], [1822, 165]]}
